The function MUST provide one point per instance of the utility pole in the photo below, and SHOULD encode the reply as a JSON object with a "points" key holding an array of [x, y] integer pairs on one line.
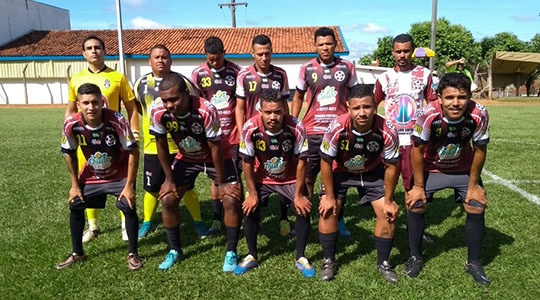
{"points": [[433, 33], [233, 5]]}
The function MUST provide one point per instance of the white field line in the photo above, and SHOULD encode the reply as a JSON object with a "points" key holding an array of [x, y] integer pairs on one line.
{"points": [[513, 187], [513, 181]]}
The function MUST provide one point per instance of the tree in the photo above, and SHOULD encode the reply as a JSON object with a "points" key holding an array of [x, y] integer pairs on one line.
{"points": [[383, 53]]}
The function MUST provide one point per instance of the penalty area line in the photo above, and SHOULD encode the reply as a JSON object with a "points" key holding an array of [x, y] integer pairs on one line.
{"points": [[513, 187]]}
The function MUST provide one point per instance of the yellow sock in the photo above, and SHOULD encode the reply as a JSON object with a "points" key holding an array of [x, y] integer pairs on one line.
{"points": [[191, 200], [93, 218], [123, 220], [150, 206]]}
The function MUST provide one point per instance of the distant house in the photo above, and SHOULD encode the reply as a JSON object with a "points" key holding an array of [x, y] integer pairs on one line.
{"points": [[35, 68]]}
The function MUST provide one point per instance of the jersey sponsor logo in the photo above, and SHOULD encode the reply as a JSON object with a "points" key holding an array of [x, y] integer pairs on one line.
{"points": [[100, 161], [286, 145], [327, 96], [355, 163], [358, 146], [373, 146], [107, 83], [451, 151], [95, 134], [406, 109], [78, 129], [274, 147], [110, 140], [196, 128], [220, 99], [275, 165], [339, 76], [96, 142], [190, 144], [229, 80]]}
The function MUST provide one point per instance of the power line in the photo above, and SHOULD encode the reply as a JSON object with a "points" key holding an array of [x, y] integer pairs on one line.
{"points": [[232, 6]]}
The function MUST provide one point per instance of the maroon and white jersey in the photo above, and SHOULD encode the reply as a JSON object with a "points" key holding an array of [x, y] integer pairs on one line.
{"points": [[219, 87], [403, 94], [327, 89], [276, 153], [190, 132], [359, 152], [105, 147], [449, 144], [250, 84]]}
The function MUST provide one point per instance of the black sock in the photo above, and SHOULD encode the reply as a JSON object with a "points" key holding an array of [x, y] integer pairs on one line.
{"points": [[76, 226], [283, 208], [217, 209], [232, 234], [415, 228], [302, 226], [173, 236], [474, 233], [251, 229], [340, 213], [329, 244], [132, 228], [383, 246]]}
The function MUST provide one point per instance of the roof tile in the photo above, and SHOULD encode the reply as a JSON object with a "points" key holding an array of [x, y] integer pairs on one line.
{"points": [[285, 40]]}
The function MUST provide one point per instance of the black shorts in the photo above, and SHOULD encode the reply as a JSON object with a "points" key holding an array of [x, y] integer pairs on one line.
{"points": [[286, 191], [435, 181], [153, 173], [370, 185], [235, 154], [185, 173], [314, 157], [95, 195]]}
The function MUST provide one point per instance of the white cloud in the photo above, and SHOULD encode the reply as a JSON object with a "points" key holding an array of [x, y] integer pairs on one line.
{"points": [[142, 23], [525, 18], [374, 28]]}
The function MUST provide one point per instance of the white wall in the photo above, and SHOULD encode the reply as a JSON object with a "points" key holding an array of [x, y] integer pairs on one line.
{"points": [[19, 17], [55, 90]]}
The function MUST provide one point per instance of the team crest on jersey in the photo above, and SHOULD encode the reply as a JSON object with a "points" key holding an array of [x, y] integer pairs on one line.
{"points": [[465, 132], [107, 83], [327, 96], [276, 85], [100, 161], [196, 128], [286, 145], [229, 80], [275, 165], [220, 99], [373, 146], [339, 76], [451, 151], [189, 144], [355, 163], [110, 140]]}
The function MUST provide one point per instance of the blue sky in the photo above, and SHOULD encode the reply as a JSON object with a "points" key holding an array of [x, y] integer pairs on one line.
{"points": [[361, 23]]}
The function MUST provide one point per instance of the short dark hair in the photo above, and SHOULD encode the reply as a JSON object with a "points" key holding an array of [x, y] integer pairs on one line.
{"points": [[404, 38], [459, 81], [262, 40], [171, 80], [160, 46], [324, 31], [271, 95], [93, 37], [213, 45], [89, 89], [360, 91]]}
